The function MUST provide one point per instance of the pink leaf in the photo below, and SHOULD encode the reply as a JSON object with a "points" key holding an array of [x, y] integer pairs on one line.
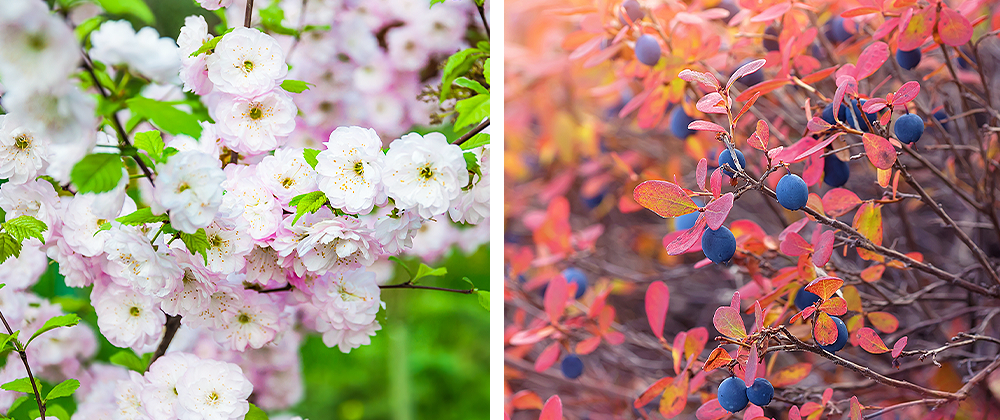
{"points": [[706, 79], [794, 245], [729, 323], [818, 124], [555, 298], [793, 228], [761, 136], [702, 125], [664, 198], [701, 172], [657, 302], [752, 363], [548, 357], [839, 201], [793, 413], [712, 103], [711, 410], [906, 93], [758, 323], [717, 211], [717, 182], [552, 409], [823, 249], [845, 85], [816, 148], [873, 105], [897, 348], [879, 151], [735, 301], [954, 28], [871, 59], [745, 70], [772, 13], [683, 242]]}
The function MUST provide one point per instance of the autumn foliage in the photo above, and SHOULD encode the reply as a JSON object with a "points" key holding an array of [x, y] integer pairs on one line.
{"points": [[876, 298]]}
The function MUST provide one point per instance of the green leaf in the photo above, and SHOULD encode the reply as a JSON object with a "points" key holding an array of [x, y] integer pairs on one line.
{"points": [[127, 358], [20, 400], [67, 320], [486, 71], [63, 389], [424, 271], [483, 46], [88, 26], [484, 299], [8, 339], [21, 385], [457, 65], [477, 140], [255, 413], [471, 84], [135, 8], [472, 110], [197, 243], [152, 143], [142, 216], [402, 264], [310, 155], [472, 163], [212, 43], [295, 86], [271, 18], [433, 2], [55, 411], [104, 226], [97, 173], [24, 227], [9, 247], [307, 203], [165, 116]]}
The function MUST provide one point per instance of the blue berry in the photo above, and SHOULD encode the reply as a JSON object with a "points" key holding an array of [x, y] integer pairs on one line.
{"points": [[647, 50], [752, 78], [841, 336], [836, 172], [771, 44], [574, 275], [805, 298], [836, 30], [634, 11], [594, 201], [909, 128], [687, 221], [718, 245], [760, 392], [792, 192], [941, 116], [572, 366], [726, 158], [733, 394], [908, 59], [827, 114], [679, 121], [961, 60]]}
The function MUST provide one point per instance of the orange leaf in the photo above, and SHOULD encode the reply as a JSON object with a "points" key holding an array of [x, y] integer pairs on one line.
{"points": [[884, 321], [953, 28], [859, 11], [746, 107], [719, 358], [824, 287], [917, 29], [653, 109], [879, 151], [763, 88], [674, 398], [834, 306], [825, 330], [548, 357], [526, 400], [791, 375], [794, 245], [696, 339], [655, 389], [555, 298], [873, 273], [759, 141], [552, 410], [729, 323], [664, 198], [868, 222], [839, 201], [588, 346], [870, 341], [819, 75]]}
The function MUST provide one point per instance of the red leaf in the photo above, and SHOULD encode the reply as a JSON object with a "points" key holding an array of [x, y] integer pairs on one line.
{"points": [[873, 273], [793, 413], [532, 336], [772, 13], [655, 389], [859, 11], [834, 306], [634, 103], [729, 323], [752, 361], [712, 103], [823, 248], [762, 136], [716, 182], [758, 317], [702, 125], [897, 348], [905, 94], [845, 85], [855, 408], [953, 28], [706, 79], [555, 298], [548, 357], [879, 151], [871, 59], [711, 410], [701, 172], [664, 198], [839, 201], [653, 109], [825, 330], [874, 105], [870, 341], [686, 239], [818, 147], [526, 400], [818, 125], [884, 321], [794, 245], [824, 287], [588, 346], [717, 211], [791, 375], [746, 106], [695, 342], [552, 410], [674, 397], [762, 87], [915, 29], [793, 228], [819, 75], [657, 302], [803, 314], [719, 358], [745, 70], [678, 351]]}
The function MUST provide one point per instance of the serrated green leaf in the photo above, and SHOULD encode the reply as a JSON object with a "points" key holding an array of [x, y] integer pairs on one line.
{"points": [[67, 320], [88, 26], [310, 155], [477, 140], [484, 299], [424, 270], [471, 84], [295, 86], [486, 70], [255, 413], [20, 400], [9, 247], [152, 143], [8, 339], [168, 152], [135, 8], [165, 116], [63, 389], [128, 359], [472, 110], [21, 385], [307, 203], [197, 243], [208, 45], [271, 18], [24, 227], [142, 216], [457, 65], [483, 46], [97, 173]]}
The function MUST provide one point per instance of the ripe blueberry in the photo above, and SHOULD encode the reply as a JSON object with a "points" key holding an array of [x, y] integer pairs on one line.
{"points": [[827, 114], [760, 392], [805, 298], [572, 366], [647, 50], [942, 116], [733, 394], [841, 336], [771, 44], [836, 31], [574, 275], [908, 59], [679, 121], [909, 128], [752, 78], [836, 172], [634, 11], [792, 192], [718, 245], [726, 158], [687, 221]]}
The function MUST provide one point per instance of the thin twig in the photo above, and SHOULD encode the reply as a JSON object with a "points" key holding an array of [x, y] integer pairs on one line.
{"points": [[479, 128], [482, 15], [24, 359], [171, 326]]}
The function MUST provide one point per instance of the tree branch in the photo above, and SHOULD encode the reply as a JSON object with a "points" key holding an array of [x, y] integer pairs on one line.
{"points": [[24, 359], [171, 326], [479, 128]]}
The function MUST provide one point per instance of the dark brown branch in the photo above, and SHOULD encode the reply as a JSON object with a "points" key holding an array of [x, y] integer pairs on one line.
{"points": [[246, 16], [24, 359], [479, 128], [172, 325], [482, 15]]}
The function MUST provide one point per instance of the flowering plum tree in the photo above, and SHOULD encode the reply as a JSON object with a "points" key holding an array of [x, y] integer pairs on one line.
{"points": [[224, 194], [796, 175]]}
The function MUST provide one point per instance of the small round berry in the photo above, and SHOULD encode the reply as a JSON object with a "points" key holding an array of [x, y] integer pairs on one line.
{"points": [[718, 245], [572, 366], [574, 275], [836, 172], [727, 158], [908, 59], [792, 192], [733, 394], [841, 336], [909, 128], [679, 121], [647, 50], [760, 392]]}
